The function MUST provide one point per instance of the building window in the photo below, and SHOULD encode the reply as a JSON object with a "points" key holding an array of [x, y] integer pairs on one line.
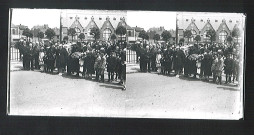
{"points": [[13, 32], [114, 18], [216, 20], [106, 34], [230, 21], [129, 33], [85, 18], [187, 20], [100, 18], [223, 36], [70, 17], [201, 20]]}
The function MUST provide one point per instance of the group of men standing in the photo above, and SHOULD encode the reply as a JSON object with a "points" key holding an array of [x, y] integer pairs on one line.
{"points": [[93, 57], [210, 59]]}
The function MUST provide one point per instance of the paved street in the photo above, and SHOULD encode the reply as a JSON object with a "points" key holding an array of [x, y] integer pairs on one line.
{"points": [[36, 93], [147, 95], [152, 95]]}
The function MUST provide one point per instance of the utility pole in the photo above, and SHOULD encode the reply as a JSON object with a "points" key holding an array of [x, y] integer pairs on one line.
{"points": [[176, 28], [60, 26]]}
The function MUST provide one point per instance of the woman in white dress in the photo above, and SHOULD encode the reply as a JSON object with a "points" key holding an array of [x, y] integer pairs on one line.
{"points": [[158, 63]]}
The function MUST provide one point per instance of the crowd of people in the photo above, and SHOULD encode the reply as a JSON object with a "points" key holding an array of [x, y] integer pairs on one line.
{"points": [[211, 60], [90, 58]]}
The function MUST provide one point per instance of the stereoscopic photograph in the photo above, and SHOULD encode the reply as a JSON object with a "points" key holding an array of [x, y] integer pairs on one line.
{"points": [[123, 63]]}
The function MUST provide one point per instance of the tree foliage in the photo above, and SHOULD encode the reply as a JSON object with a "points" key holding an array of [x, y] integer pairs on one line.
{"points": [[166, 35], [229, 39], [181, 40], [121, 30], [28, 33], [72, 33], [40, 35], [156, 37], [113, 37], [95, 32], [211, 34], [197, 38], [236, 32], [81, 36], [50, 33], [143, 34], [187, 34], [66, 38]]}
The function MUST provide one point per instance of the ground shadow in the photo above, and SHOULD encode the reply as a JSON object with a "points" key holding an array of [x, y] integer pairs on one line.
{"points": [[111, 87], [228, 88], [188, 78]]}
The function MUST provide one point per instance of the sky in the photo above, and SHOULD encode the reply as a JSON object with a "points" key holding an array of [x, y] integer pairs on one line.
{"points": [[144, 19], [32, 17], [149, 19]]}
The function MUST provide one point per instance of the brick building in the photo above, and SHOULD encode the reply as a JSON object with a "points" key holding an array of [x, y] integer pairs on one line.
{"points": [[84, 20], [199, 23], [16, 32]]}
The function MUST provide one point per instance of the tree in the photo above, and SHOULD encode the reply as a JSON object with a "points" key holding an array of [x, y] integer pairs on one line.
{"points": [[113, 37], [95, 32], [40, 35], [181, 40], [121, 30], [229, 39], [211, 34], [236, 33], [81, 36], [28, 33], [187, 34], [166, 35], [72, 33], [156, 37], [66, 38], [143, 34], [197, 38], [50, 33]]}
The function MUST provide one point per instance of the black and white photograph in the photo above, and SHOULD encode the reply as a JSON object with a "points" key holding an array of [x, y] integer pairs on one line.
{"points": [[188, 65], [67, 62], [126, 63]]}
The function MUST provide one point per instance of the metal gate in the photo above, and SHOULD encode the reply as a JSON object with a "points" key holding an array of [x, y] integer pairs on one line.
{"points": [[131, 56], [14, 54]]}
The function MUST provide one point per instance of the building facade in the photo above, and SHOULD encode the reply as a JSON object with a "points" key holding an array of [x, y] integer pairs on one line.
{"points": [[199, 23], [84, 20], [16, 32], [159, 30]]}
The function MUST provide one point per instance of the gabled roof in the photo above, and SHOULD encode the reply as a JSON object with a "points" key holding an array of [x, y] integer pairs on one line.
{"points": [[76, 23], [207, 25], [107, 23], [223, 25], [91, 24], [201, 19]]}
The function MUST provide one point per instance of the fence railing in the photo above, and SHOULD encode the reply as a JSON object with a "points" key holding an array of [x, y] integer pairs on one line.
{"points": [[14, 54], [131, 56]]}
